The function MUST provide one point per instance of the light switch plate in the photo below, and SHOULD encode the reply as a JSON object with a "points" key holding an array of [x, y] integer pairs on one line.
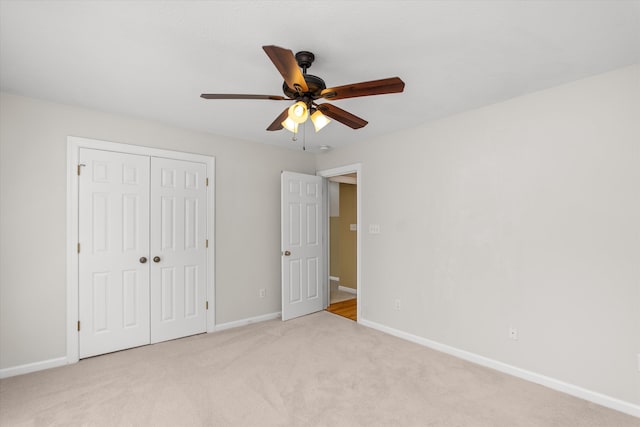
{"points": [[374, 228]]}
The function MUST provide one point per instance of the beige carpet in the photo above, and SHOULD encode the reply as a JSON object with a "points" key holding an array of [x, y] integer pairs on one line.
{"points": [[319, 370]]}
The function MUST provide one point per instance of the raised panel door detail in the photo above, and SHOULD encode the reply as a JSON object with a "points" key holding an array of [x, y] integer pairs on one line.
{"points": [[190, 290], [301, 227], [190, 223], [100, 171], [312, 190], [190, 179], [100, 222], [295, 283], [313, 278], [168, 221], [295, 226], [130, 220], [130, 298], [312, 224], [113, 232], [130, 207], [168, 178], [295, 187], [129, 174], [178, 235], [168, 294], [100, 302]]}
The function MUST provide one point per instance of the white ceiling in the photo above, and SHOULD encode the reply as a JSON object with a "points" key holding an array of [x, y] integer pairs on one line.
{"points": [[152, 59]]}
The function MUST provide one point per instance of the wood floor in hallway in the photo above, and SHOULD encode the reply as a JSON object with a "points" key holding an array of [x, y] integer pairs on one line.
{"points": [[346, 309]]}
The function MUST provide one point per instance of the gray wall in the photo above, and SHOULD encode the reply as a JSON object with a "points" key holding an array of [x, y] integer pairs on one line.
{"points": [[33, 144], [524, 213]]}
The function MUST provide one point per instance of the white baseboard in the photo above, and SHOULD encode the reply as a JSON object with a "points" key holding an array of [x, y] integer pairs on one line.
{"points": [[32, 367], [347, 289], [61, 361], [573, 390], [334, 278], [248, 321]]}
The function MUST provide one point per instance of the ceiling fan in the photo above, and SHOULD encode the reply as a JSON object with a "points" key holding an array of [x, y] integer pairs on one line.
{"points": [[305, 89]]}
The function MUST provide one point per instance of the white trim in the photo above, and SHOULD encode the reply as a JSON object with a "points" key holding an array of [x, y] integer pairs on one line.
{"points": [[73, 156], [334, 278], [343, 170], [347, 289], [555, 384], [343, 179], [73, 152], [247, 321], [32, 367]]}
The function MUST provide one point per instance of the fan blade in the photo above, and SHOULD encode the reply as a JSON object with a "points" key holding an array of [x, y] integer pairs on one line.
{"points": [[374, 87], [344, 117], [287, 65], [236, 96], [277, 123]]}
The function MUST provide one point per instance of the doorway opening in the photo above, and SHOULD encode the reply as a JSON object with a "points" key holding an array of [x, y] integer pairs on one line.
{"points": [[343, 241]]}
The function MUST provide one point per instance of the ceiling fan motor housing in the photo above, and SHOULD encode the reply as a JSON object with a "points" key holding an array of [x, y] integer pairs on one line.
{"points": [[314, 83]]}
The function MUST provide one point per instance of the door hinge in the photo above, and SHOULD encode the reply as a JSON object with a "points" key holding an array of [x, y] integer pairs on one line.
{"points": [[207, 181], [206, 243], [79, 166], [78, 247], [206, 305], [78, 325]]}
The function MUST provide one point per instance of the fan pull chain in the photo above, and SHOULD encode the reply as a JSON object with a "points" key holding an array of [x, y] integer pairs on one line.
{"points": [[304, 136]]}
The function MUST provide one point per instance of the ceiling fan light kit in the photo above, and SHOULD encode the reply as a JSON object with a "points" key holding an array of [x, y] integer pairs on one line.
{"points": [[290, 125], [319, 120], [305, 89], [298, 112]]}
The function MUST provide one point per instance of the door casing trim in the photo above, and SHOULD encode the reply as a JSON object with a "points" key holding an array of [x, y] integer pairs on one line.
{"points": [[343, 170], [74, 144]]}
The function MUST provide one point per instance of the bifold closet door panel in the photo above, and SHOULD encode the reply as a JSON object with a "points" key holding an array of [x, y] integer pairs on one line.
{"points": [[113, 229], [178, 248]]}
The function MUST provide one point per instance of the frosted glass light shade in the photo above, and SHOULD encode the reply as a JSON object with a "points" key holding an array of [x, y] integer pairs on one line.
{"points": [[290, 125], [319, 120], [298, 112]]}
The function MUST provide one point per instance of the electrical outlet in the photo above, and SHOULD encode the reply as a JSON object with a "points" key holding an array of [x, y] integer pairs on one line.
{"points": [[262, 293], [396, 304], [513, 334]]}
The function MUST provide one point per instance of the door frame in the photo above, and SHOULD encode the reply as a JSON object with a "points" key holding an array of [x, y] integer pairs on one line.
{"points": [[74, 144], [328, 173]]}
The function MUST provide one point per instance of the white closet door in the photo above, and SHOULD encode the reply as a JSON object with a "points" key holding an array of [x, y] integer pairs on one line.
{"points": [[178, 252], [114, 244]]}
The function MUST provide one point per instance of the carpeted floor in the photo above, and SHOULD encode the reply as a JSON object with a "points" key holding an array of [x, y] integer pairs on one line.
{"points": [[318, 370]]}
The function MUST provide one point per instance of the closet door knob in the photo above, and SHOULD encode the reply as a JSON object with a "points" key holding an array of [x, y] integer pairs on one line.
{"points": [[156, 259], [143, 260]]}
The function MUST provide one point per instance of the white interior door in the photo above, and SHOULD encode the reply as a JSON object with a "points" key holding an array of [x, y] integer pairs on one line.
{"points": [[113, 231], [178, 248], [302, 244]]}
